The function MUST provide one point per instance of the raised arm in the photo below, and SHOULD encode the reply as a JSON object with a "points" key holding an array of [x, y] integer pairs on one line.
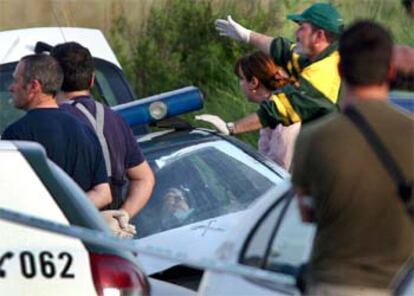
{"points": [[261, 42]]}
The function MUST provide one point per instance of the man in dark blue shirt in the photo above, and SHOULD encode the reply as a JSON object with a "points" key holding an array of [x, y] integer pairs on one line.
{"points": [[68, 142]]}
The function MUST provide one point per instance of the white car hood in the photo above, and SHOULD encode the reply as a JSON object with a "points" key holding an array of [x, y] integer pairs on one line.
{"points": [[196, 241]]}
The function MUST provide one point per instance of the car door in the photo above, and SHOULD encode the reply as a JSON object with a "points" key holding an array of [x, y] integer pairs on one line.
{"points": [[279, 243], [32, 261]]}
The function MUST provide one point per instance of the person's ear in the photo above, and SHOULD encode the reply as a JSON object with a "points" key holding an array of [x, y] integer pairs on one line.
{"points": [[35, 85], [92, 82], [254, 83], [319, 35]]}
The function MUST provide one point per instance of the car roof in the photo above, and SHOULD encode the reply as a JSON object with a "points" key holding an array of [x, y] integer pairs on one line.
{"points": [[21, 42]]}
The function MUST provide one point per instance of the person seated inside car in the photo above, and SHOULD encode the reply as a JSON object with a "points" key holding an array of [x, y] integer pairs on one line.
{"points": [[175, 208]]}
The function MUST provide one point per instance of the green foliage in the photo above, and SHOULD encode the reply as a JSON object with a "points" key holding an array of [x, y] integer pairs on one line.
{"points": [[178, 45]]}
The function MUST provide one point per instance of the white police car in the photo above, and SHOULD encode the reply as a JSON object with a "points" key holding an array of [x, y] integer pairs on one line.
{"points": [[32, 266], [205, 181], [36, 262]]}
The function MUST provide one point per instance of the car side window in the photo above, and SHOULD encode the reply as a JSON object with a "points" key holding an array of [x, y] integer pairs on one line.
{"points": [[293, 241], [112, 87], [281, 242], [257, 246], [102, 91]]}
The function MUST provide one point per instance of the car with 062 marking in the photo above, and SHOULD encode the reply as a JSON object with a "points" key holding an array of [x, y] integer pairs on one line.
{"points": [[36, 262]]}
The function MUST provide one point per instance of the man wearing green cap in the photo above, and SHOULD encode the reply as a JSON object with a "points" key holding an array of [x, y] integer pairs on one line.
{"points": [[311, 63]]}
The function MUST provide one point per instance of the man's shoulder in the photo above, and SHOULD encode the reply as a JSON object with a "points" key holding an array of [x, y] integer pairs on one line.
{"points": [[25, 120], [112, 113], [17, 123], [380, 110], [11, 129], [62, 114], [116, 121], [323, 133], [324, 126], [89, 102]]}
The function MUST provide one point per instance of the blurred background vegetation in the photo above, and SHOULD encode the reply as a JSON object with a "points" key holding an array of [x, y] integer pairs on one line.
{"points": [[167, 44]]}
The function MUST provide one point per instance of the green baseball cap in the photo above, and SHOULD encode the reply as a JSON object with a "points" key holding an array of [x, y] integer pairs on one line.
{"points": [[323, 15]]}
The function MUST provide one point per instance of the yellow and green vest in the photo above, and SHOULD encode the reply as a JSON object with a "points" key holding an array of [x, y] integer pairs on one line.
{"points": [[314, 90]]}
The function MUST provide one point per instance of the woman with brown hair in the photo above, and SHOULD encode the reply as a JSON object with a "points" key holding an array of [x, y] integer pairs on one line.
{"points": [[260, 79]]}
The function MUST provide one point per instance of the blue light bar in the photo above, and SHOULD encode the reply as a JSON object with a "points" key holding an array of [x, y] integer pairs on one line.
{"points": [[174, 103]]}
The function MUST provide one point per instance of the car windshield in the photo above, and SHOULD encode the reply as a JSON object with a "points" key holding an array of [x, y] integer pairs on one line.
{"points": [[200, 182]]}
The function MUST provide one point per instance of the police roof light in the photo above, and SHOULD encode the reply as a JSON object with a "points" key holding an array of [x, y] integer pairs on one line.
{"points": [[161, 106]]}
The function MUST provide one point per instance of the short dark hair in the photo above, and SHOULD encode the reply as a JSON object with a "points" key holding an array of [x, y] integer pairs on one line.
{"points": [[44, 69], [366, 51], [77, 64]]}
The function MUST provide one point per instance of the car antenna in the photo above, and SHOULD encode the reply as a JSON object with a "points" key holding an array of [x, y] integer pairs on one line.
{"points": [[59, 25]]}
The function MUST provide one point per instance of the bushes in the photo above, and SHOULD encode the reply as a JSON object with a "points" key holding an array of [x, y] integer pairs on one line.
{"points": [[178, 45]]}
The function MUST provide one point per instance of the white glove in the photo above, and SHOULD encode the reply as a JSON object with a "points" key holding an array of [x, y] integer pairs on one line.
{"points": [[232, 29], [218, 123], [122, 229]]}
